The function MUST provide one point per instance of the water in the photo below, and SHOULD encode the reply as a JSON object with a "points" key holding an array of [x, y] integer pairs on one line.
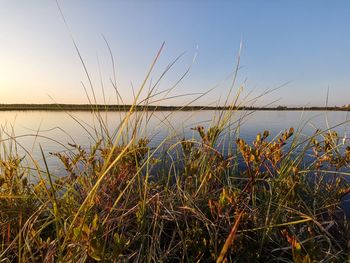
{"points": [[54, 130]]}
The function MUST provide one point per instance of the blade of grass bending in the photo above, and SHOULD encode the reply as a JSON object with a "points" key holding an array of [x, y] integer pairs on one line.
{"points": [[112, 60], [278, 225], [231, 237], [234, 77], [77, 50], [54, 201], [108, 166], [125, 121], [31, 158]]}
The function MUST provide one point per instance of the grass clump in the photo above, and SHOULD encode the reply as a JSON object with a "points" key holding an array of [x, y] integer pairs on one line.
{"points": [[120, 200], [260, 203]]}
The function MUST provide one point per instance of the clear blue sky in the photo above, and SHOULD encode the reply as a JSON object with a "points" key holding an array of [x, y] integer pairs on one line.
{"points": [[305, 43]]}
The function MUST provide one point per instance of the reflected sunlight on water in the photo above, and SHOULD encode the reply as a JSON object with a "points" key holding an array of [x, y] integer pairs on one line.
{"points": [[56, 129]]}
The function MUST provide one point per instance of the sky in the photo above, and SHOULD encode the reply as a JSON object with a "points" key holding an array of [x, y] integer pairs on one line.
{"points": [[302, 48]]}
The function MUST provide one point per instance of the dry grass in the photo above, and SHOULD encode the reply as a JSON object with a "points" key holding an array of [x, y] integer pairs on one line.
{"points": [[118, 201]]}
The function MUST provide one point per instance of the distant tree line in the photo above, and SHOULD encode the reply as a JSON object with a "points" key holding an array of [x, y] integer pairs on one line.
{"points": [[101, 107]]}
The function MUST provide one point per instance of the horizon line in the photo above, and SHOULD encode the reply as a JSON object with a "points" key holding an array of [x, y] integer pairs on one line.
{"points": [[127, 107]]}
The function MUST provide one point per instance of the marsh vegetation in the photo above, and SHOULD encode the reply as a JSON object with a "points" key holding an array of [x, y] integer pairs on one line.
{"points": [[200, 200]]}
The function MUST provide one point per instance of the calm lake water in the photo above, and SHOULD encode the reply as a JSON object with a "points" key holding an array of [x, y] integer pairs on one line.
{"points": [[54, 130]]}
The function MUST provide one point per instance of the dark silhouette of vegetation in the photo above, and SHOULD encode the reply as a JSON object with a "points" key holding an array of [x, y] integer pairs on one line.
{"points": [[102, 107]]}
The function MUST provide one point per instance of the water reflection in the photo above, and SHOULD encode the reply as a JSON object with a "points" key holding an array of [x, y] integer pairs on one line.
{"points": [[54, 130]]}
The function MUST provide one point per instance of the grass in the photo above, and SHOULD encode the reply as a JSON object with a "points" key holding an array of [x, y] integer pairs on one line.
{"points": [[273, 199]]}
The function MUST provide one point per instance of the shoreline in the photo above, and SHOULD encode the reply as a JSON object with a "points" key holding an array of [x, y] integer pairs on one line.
{"points": [[88, 107]]}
